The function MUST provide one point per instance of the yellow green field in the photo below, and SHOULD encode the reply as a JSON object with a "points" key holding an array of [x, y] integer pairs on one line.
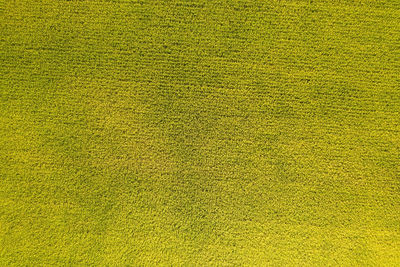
{"points": [[200, 133]]}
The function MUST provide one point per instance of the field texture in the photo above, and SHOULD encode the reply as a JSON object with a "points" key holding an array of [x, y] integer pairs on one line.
{"points": [[200, 133]]}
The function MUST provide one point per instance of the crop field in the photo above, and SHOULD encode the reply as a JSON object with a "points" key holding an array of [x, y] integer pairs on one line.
{"points": [[200, 133]]}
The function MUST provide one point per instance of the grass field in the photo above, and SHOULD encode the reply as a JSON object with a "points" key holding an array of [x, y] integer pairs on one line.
{"points": [[200, 133]]}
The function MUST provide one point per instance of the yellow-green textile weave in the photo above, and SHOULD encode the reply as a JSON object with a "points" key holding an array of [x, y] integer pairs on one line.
{"points": [[200, 133]]}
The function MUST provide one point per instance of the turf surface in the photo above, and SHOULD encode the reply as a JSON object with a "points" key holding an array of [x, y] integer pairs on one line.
{"points": [[222, 133]]}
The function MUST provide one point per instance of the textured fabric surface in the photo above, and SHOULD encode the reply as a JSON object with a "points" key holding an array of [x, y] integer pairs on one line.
{"points": [[200, 133]]}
